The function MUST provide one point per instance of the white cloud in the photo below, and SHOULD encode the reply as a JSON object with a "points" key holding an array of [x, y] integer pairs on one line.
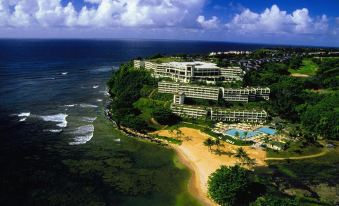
{"points": [[208, 24], [100, 13], [274, 20]]}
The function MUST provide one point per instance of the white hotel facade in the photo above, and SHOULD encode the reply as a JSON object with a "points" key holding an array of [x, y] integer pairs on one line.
{"points": [[181, 90], [192, 71]]}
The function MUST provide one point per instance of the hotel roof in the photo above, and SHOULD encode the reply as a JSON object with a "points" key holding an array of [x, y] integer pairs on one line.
{"points": [[197, 64]]}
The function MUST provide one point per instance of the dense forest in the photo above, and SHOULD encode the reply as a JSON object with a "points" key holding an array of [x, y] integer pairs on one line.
{"points": [[312, 101]]}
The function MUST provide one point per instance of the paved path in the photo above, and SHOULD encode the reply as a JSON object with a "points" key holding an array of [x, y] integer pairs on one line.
{"points": [[150, 95], [299, 158]]}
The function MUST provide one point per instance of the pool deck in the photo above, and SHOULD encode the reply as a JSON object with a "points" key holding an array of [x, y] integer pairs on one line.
{"points": [[241, 133]]}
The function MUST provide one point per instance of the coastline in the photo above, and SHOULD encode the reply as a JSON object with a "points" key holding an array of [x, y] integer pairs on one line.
{"points": [[202, 162], [195, 188]]}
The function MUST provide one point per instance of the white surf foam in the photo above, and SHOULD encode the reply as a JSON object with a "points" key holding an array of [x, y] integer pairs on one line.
{"points": [[99, 100], [105, 92], [24, 114], [64, 73], [88, 106], [54, 130], [88, 119], [81, 139], [22, 119], [60, 118], [83, 134], [95, 86], [103, 69], [69, 105], [84, 129]]}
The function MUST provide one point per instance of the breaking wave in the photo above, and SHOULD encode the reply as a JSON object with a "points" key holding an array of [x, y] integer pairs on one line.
{"points": [[103, 69], [54, 130], [60, 118], [69, 105], [88, 119], [83, 134], [88, 106], [24, 114]]}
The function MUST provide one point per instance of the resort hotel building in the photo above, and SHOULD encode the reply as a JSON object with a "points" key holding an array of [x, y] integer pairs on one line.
{"points": [[195, 71], [181, 90], [218, 113], [213, 92]]}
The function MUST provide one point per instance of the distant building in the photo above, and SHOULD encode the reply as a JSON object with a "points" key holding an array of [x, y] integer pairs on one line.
{"points": [[195, 71]]}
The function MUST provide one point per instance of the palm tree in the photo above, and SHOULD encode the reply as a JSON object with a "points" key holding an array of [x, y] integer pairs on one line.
{"points": [[217, 142], [241, 153], [245, 134], [171, 131], [179, 133], [237, 134], [209, 143], [250, 162]]}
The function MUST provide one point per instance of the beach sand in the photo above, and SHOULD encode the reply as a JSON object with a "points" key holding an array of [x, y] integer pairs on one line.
{"points": [[202, 162]]}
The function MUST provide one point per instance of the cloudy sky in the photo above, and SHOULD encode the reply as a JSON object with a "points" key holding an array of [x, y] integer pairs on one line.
{"points": [[300, 22]]}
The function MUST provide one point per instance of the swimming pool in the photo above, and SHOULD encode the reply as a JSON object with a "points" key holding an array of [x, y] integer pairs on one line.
{"points": [[241, 133], [267, 130]]}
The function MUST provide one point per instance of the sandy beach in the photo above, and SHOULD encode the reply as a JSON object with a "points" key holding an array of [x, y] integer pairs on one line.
{"points": [[202, 162]]}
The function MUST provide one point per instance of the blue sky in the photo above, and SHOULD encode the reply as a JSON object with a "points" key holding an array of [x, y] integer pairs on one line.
{"points": [[298, 22]]}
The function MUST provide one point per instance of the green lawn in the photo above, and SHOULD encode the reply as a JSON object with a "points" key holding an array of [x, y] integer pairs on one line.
{"points": [[296, 149], [316, 175], [308, 68]]}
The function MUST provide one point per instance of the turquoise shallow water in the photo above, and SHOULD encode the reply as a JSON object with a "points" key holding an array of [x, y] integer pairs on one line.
{"points": [[57, 148]]}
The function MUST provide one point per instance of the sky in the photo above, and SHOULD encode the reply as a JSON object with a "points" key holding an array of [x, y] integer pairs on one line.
{"points": [[292, 22]]}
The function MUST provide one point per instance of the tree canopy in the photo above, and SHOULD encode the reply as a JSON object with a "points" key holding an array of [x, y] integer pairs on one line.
{"points": [[227, 185]]}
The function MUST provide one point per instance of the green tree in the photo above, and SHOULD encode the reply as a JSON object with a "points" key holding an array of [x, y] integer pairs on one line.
{"points": [[217, 143], [295, 62], [165, 116], [274, 201], [209, 143], [245, 133], [134, 122], [241, 153], [227, 185], [322, 118]]}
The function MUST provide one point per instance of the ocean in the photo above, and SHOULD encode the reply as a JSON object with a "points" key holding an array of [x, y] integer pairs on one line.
{"points": [[57, 147]]}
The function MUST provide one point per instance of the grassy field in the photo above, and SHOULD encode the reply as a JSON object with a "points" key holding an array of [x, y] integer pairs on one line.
{"points": [[313, 181], [308, 68], [296, 149]]}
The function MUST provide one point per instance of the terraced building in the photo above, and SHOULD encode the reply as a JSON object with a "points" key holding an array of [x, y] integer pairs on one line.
{"points": [[219, 114], [181, 90], [214, 93]]}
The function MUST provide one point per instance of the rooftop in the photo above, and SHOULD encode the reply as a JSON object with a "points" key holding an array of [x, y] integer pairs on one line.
{"points": [[197, 64]]}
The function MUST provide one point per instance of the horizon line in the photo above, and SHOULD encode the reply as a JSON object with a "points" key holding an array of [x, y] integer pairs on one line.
{"points": [[155, 39]]}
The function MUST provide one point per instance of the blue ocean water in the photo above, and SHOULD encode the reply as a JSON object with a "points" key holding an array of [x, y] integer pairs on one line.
{"points": [[51, 94]]}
